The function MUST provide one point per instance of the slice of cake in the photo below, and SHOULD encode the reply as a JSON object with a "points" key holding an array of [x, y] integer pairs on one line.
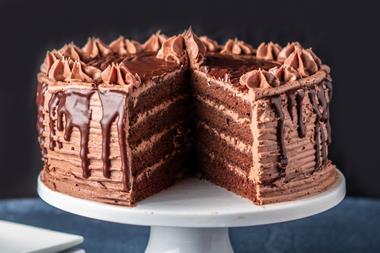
{"points": [[120, 122], [113, 120]]}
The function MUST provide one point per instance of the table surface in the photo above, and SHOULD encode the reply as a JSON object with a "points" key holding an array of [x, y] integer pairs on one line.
{"points": [[352, 226]]}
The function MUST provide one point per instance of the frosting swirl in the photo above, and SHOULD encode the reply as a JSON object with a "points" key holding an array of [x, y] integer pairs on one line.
{"points": [[71, 51], [195, 48], [303, 61], [119, 74], [77, 73], [172, 50], [285, 73], [259, 78], [286, 51], [236, 46], [60, 70], [268, 51], [210, 44], [94, 48], [50, 58], [124, 46], [155, 41]]}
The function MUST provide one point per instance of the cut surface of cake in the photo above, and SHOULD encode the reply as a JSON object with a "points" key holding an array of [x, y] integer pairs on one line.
{"points": [[118, 123]]}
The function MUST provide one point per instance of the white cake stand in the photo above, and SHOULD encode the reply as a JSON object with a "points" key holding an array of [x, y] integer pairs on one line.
{"points": [[194, 215]]}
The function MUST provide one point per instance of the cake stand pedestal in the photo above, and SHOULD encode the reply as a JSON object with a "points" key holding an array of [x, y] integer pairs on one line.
{"points": [[194, 215]]}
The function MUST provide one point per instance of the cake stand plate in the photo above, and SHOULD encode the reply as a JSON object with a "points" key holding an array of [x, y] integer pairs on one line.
{"points": [[194, 215]]}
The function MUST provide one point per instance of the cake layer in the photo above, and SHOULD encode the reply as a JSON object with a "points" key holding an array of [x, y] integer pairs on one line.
{"points": [[152, 93], [221, 144], [230, 97], [218, 116], [173, 110], [159, 145], [221, 173]]}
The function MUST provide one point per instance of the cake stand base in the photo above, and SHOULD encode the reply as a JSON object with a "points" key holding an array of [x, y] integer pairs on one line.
{"points": [[188, 240], [194, 215]]}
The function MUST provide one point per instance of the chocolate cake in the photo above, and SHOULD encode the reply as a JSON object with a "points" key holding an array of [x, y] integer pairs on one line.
{"points": [[120, 122]]}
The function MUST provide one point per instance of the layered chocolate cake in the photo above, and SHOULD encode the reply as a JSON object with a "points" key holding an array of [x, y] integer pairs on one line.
{"points": [[120, 122]]}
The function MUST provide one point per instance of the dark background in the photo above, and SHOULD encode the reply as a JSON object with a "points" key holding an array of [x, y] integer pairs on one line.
{"points": [[345, 35]]}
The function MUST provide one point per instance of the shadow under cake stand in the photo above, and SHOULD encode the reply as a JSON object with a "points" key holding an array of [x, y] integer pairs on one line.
{"points": [[194, 215]]}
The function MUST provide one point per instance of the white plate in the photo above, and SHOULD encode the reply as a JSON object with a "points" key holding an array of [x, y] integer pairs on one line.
{"points": [[19, 238]]}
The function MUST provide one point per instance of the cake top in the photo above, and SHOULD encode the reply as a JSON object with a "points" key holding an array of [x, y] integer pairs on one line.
{"points": [[264, 71]]}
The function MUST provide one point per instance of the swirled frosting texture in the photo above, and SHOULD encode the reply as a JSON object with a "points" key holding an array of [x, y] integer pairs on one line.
{"points": [[195, 48], [259, 78], [238, 47], [268, 51], [124, 46], [94, 48], [119, 74], [172, 50], [284, 73], [155, 41], [303, 61], [211, 45], [98, 62]]}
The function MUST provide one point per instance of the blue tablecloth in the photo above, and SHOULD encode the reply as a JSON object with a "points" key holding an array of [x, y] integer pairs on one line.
{"points": [[352, 226]]}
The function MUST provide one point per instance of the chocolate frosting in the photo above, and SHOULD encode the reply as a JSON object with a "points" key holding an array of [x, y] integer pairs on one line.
{"points": [[50, 58], [154, 43], [77, 74], [124, 46], [60, 70], [119, 74], [172, 50], [259, 78], [195, 48], [285, 73], [211, 45], [286, 51], [236, 46], [303, 61], [268, 51], [71, 51], [294, 46], [94, 48]]}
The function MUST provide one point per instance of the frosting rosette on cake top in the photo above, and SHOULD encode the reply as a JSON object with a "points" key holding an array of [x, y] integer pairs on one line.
{"points": [[238, 47], [268, 51], [119, 74], [172, 50], [154, 42], [259, 78]]}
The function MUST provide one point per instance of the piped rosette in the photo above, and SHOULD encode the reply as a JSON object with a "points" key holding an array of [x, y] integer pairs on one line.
{"points": [[123, 46], [195, 48], [268, 51], [119, 77], [173, 50], [237, 47], [154, 42]]}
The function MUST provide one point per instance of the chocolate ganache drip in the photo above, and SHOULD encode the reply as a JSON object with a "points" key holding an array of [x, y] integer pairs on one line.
{"points": [[319, 135], [74, 104], [299, 100], [276, 101], [113, 106]]}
